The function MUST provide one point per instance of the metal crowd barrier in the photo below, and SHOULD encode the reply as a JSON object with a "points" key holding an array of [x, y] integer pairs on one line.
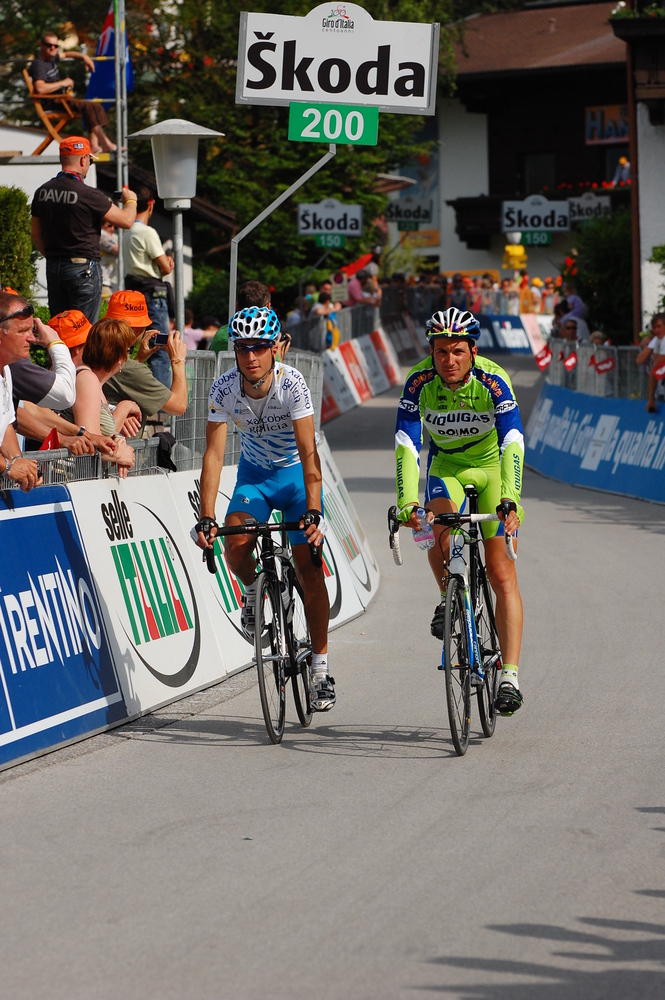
{"points": [[626, 380], [59, 466], [189, 430], [352, 322], [202, 368]]}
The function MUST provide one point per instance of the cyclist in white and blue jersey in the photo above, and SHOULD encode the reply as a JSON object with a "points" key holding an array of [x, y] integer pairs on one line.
{"points": [[279, 469]]}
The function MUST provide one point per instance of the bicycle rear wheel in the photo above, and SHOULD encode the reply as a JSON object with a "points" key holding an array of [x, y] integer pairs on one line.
{"points": [[271, 655], [490, 651], [456, 661], [300, 649]]}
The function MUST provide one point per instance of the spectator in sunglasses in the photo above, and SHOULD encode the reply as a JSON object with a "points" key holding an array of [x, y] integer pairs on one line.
{"points": [[15, 339], [56, 388]]}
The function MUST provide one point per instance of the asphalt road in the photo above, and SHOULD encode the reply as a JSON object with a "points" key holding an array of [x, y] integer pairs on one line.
{"points": [[184, 856]]}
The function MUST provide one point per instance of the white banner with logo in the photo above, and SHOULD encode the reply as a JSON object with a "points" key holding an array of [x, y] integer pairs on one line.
{"points": [[371, 365], [338, 53], [345, 524], [338, 383], [222, 591], [161, 635]]}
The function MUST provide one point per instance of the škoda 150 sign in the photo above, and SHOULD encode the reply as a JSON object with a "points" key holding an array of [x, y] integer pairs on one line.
{"points": [[338, 50]]}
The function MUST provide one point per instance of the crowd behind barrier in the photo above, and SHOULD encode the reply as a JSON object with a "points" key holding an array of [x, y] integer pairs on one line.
{"points": [[420, 301], [352, 323], [625, 380]]}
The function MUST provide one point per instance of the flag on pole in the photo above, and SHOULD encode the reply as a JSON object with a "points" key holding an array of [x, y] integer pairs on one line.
{"points": [[102, 81]]}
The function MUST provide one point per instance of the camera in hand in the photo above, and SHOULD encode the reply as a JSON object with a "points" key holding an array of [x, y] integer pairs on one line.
{"points": [[158, 339]]}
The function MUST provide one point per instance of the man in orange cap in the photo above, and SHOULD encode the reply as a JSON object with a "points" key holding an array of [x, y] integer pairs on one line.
{"points": [[136, 381], [67, 217]]}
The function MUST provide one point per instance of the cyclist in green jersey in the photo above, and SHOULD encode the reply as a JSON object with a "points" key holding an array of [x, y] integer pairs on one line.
{"points": [[468, 406]]}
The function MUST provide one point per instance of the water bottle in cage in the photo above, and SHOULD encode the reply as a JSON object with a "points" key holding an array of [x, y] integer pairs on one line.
{"points": [[424, 535]]}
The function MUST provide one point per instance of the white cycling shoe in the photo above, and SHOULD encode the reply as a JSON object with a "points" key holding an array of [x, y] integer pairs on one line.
{"points": [[323, 692], [248, 614]]}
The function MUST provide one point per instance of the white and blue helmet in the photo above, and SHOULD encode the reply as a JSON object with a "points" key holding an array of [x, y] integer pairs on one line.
{"points": [[255, 323]]}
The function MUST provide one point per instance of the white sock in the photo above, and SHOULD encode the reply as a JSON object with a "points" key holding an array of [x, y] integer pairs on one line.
{"points": [[319, 663], [510, 676]]}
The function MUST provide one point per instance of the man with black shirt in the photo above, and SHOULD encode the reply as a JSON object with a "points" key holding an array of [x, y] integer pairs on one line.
{"points": [[46, 80], [67, 217]]}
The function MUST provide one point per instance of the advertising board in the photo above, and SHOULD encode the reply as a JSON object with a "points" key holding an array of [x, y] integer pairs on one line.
{"points": [[589, 206], [371, 364], [337, 51], [607, 444], [346, 527], [58, 682], [161, 637], [503, 333], [535, 212], [223, 591], [356, 372], [338, 383], [330, 216]]}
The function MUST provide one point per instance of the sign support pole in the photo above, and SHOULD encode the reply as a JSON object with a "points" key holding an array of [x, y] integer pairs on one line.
{"points": [[233, 277], [119, 138]]}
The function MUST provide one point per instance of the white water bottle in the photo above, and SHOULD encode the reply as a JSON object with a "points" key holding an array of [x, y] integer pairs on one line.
{"points": [[424, 535]]}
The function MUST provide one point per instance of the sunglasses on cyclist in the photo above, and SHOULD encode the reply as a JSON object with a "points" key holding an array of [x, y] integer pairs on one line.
{"points": [[23, 313], [258, 349]]}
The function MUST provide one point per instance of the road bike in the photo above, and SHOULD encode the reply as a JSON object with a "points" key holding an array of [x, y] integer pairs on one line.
{"points": [[471, 650], [282, 647]]}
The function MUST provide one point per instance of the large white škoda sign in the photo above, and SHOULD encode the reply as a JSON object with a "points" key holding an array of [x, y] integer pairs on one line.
{"points": [[338, 52]]}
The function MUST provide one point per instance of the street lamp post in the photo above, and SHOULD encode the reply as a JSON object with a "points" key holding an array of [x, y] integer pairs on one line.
{"points": [[175, 147]]}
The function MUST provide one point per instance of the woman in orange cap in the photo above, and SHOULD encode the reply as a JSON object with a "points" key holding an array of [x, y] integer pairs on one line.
{"points": [[98, 352]]}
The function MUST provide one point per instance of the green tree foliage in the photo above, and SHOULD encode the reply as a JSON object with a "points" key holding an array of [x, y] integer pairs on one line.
{"points": [[184, 56], [604, 274], [17, 257]]}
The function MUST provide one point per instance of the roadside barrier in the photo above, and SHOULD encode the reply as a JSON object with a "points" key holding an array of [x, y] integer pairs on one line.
{"points": [[107, 610], [598, 370], [357, 370], [604, 443], [59, 466]]}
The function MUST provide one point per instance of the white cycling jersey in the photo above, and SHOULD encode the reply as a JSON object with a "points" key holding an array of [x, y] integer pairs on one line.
{"points": [[266, 439]]}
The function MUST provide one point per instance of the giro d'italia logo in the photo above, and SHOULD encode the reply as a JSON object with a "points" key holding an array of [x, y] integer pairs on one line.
{"points": [[337, 19]]}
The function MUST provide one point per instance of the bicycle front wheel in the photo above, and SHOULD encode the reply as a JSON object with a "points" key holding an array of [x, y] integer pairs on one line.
{"points": [[271, 655], [490, 651], [456, 664], [300, 649]]}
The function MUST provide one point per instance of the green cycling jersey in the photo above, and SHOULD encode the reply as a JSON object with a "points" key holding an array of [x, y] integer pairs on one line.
{"points": [[476, 425]]}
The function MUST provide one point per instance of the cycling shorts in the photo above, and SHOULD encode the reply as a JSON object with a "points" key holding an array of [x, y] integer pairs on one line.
{"points": [[442, 484], [260, 491]]}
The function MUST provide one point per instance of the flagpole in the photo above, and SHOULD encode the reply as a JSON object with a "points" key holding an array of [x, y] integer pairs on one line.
{"points": [[123, 89], [118, 39]]}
